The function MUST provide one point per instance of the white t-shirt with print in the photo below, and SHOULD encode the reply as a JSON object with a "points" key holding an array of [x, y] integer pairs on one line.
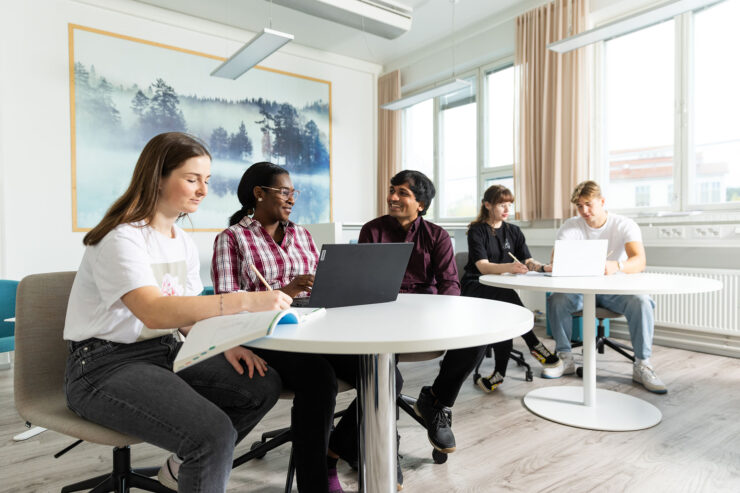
{"points": [[131, 256], [617, 229]]}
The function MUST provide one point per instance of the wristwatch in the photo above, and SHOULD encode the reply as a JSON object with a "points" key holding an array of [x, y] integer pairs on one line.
{"points": [[619, 265]]}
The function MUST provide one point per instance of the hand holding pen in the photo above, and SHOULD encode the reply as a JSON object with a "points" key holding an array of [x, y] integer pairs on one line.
{"points": [[517, 267]]}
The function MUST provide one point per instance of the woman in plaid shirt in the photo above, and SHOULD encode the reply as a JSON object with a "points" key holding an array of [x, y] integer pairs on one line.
{"points": [[261, 235]]}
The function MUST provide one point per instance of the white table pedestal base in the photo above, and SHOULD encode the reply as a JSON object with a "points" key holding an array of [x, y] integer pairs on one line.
{"points": [[612, 411]]}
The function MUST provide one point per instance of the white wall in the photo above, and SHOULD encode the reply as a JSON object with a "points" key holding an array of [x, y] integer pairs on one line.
{"points": [[35, 166]]}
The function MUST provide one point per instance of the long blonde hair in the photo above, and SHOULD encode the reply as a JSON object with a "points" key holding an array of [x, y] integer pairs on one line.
{"points": [[162, 154]]}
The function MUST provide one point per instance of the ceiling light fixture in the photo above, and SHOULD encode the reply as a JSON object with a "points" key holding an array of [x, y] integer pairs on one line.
{"points": [[629, 24], [410, 100], [260, 47]]}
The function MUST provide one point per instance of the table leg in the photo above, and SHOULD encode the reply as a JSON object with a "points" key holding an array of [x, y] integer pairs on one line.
{"points": [[377, 394], [589, 350]]}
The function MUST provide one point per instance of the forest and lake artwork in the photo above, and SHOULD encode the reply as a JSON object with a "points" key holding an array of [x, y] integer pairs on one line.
{"points": [[125, 90]]}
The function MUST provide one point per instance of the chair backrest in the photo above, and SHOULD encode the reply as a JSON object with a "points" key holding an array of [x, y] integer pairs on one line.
{"points": [[7, 309], [461, 260], [40, 350], [41, 358]]}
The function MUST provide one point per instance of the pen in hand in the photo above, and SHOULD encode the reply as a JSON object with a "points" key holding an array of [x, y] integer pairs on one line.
{"points": [[512, 256], [259, 276]]}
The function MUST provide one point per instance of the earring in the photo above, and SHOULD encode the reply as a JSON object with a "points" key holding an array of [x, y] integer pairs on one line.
{"points": [[259, 199]]}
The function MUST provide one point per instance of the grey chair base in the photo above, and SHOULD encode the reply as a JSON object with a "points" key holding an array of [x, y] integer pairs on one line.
{"points": [[122, 478]]}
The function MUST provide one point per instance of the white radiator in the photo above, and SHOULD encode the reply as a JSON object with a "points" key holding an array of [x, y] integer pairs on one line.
{"points": [[717, 312]]}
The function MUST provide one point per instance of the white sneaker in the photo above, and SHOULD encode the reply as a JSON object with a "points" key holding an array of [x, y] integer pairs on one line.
{"points": [[565, 366], [645, 374], [168, 472]]}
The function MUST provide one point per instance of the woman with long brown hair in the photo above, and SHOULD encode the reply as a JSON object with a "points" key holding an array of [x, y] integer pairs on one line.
{"points": [[497, 247], [136, 288]]}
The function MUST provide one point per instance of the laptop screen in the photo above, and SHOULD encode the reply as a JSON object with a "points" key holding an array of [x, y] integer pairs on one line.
{"points": [[579, 257], [358, 274]]}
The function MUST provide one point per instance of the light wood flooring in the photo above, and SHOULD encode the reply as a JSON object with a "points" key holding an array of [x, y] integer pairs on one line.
{"points": [[501, 446]]}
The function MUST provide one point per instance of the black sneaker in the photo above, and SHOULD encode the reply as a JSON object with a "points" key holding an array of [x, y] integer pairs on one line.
{"points": [[436, 420], [544, 356]]}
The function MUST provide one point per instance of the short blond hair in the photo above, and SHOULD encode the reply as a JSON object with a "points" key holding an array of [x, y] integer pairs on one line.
{"points": [[586, 189]]}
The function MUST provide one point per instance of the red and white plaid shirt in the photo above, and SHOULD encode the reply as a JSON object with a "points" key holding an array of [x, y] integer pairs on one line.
{"points": [[247, 243]]}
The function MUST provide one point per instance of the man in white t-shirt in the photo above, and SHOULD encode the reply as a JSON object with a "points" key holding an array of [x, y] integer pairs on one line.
{"points": [[627, 255]]}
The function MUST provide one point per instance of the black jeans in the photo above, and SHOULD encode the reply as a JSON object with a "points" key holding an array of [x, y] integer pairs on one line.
{"points": [[199, 413], [313, 380]]}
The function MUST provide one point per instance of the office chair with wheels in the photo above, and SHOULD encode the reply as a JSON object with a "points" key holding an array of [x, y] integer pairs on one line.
{"points": [[461, 259], [601, 339], [40, 359]]}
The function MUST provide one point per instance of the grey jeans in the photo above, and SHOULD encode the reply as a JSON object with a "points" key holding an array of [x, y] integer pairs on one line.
{"points": [[199, 413]]}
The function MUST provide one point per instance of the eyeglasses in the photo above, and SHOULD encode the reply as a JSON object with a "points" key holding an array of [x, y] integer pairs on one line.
{"points": [[284, 192]]}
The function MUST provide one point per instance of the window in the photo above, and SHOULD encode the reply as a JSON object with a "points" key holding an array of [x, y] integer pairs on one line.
{"points": [[458, 154], [715, 163], [500, 118], [418, 137], [642, 195], [639, 116], [670, 103], [471, 144]]}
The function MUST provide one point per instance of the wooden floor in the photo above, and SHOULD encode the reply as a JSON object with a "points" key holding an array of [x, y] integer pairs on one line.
{"points": [[501, 446]]}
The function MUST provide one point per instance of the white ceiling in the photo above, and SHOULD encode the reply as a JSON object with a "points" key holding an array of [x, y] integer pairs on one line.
{"points": [[432, 23]]}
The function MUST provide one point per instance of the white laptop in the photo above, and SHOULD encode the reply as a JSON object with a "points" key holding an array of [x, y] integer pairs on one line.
{"points": [[579, 258]]}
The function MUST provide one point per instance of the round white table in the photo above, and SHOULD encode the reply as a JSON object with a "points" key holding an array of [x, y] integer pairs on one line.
{"points": [[413, 323], [587, 406]]}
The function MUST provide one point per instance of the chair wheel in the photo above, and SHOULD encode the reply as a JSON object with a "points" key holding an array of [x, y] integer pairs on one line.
{"points": [[439, 457], [579, 371], [529, 377], [255, 446]]}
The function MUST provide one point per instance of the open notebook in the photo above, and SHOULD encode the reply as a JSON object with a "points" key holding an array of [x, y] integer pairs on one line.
{"points": [[215, 335]]}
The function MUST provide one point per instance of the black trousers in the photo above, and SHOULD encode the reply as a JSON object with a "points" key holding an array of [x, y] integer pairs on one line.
{"points": [[313, 380], [501, 350]]}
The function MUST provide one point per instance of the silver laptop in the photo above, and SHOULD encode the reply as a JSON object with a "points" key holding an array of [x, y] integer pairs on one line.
{"points": [[579, 258], [358, 274]]}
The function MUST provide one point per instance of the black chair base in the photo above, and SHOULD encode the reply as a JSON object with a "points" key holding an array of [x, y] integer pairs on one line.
{"points": [[515, 355], [270, 440], [601, 341], [122, 478]]}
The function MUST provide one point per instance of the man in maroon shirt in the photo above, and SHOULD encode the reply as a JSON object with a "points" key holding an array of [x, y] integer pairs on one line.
{"points": [[431, 270]]}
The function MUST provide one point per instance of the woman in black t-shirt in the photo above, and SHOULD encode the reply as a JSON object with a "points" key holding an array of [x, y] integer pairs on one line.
{"points": [[497, 247]]}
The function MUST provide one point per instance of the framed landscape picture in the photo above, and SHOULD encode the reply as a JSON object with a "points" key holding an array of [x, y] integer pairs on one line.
{"points": [[124, 91]]}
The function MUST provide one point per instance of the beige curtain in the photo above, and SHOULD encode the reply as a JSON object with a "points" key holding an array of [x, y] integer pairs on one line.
{"points": [[389, 136], [554, 89]]}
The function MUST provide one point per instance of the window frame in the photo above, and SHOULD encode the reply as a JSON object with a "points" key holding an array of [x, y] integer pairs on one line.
{"points": [[479, 74], [683, 145]]}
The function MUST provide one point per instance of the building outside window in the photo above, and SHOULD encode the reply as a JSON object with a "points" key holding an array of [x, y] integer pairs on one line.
{"points": [[670, 103]]}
